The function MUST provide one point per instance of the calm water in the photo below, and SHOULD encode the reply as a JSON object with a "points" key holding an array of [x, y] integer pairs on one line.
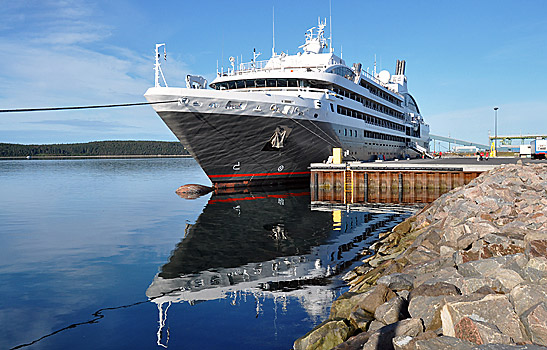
{"points": [[103, 254]]}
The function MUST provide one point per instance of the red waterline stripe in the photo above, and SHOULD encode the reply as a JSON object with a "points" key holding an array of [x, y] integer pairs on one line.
{"points": [[261, 197], [261, 174]]}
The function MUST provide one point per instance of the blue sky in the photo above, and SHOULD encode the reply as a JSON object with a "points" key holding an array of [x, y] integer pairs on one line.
{"points": [[463, 58]]}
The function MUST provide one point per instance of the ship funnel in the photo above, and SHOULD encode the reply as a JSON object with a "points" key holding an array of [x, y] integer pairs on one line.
{"points": [[400, 68]]}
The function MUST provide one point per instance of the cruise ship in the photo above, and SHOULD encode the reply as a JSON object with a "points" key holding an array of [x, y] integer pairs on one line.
{"points": [[263, 122]]}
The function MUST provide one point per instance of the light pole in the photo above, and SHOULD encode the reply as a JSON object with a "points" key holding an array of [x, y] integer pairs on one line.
{"points": [[496, 131]]}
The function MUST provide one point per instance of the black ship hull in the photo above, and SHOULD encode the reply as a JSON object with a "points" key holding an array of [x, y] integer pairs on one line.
{"points": [[240, 150]]}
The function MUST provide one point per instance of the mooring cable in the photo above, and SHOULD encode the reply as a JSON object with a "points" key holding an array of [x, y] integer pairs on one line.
{"points": [[43, 109]]}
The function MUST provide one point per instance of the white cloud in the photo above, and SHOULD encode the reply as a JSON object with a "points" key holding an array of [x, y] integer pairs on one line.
{"points": [[67, 60]]}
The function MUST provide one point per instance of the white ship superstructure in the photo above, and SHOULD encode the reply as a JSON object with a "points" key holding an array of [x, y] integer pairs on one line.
{"points": [[264, 122]]}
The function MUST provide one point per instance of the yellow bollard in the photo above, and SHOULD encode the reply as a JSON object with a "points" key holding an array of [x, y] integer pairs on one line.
{"points": [[336, 156]]}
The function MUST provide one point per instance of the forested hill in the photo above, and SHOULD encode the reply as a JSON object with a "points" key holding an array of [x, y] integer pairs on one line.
{"points": [[99, 148]]}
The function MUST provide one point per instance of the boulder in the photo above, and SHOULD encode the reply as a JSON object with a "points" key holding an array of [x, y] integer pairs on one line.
{"points": [[375, 325], [526, 295], [448, 275], [446, 251], [489, 267], [535, 323], [484, 290], [480, 332], [431, 266], [420, 255], [508, 347], [374, 298], [192, 191], [470, 285], [493, 309], [397, 281], [444, 342], [535, 235], [472, 264], [391, 311], [537, 248], [383, 337], [434, 289], [507, 270], [535, 270], [325, 336], [361, 319], [508, 279], [405, 342], [402, 342], [501, 249], [341, 307], [404, 294], [354, 343], [428, 309]]}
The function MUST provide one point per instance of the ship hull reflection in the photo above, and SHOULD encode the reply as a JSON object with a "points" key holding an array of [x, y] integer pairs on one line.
{"points": [[271, 244], [260, 239]]}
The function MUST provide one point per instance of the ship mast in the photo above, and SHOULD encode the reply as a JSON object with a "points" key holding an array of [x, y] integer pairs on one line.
{"points": [[157, 66]]}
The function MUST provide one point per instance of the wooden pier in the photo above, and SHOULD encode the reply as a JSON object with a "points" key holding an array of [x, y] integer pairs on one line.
{"points": [[388, 182]]}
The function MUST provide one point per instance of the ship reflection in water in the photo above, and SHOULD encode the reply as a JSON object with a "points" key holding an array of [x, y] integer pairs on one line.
{"points": [[267, 245]]}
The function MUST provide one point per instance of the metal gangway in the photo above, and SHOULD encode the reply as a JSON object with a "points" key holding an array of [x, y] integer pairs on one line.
{"points": [[419, 149]]}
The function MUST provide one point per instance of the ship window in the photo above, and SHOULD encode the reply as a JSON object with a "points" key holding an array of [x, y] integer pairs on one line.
{"points": [[350, 132], [345, 132], [223, 86], [343, 72], [240, 84], [260, 82], [316, 84], [282, 83], [231, 85], [270, 83], [331, 107], [250, 83]]}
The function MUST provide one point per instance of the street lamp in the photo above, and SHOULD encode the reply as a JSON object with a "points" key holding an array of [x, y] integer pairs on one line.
{"points": [[496, 132]]}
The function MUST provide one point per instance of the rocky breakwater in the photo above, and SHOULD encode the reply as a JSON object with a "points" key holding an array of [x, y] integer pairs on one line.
{"points": [[468, 272]]}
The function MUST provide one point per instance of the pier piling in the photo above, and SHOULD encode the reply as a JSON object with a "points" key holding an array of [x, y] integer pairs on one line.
{"points": [[357, 182]]}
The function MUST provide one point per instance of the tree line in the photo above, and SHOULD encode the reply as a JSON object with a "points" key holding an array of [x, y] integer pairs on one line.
{"points": [[97, 148]]}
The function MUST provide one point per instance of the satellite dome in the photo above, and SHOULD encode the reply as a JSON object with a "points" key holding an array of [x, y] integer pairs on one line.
{"points": [[384, 76]]}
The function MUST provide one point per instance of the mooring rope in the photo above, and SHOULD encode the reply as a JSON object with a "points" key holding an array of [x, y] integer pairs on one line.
{"points": [[43, 109]]}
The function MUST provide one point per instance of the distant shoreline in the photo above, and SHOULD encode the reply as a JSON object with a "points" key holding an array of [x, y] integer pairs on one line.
{"points": [[94, 150], [99, 157]]}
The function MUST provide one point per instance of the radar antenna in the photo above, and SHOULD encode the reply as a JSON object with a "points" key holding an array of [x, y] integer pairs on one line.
{"points": [[330, 26], [315, 42], [273, 31]]}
